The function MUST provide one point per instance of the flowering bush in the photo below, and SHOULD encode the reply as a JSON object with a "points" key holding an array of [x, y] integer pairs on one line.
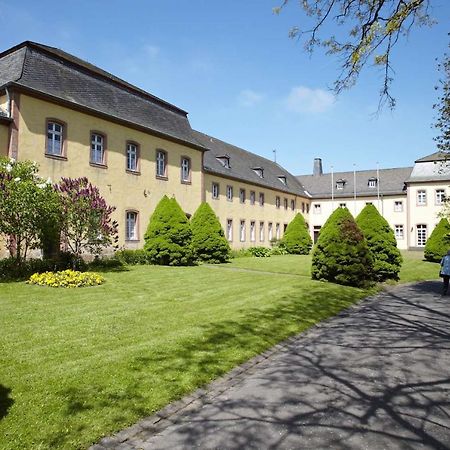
{"points": [[66, 279]]}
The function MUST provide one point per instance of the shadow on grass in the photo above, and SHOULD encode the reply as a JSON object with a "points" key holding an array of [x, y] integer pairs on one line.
{"points": [[5, 401]]}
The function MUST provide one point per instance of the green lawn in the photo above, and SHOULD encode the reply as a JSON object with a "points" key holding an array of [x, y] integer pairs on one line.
{"points": [[76, 365]]}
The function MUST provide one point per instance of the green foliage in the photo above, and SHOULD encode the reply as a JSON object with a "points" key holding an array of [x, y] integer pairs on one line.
{"points": [[439, 242], [241, 253], [341, 254], [260, 252], [208, 239], [278, 250], [296, 239], [382, 244], [168, 240], [132, 257]]}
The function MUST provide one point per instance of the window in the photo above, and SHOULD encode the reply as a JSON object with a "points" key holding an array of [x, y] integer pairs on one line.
{"points": [[277, 202], [421, 197], [317, 208], [293, 205], [97, 149], [440, 196], [342, 205], [340, 184], [316, 232], [399, 234], [285, 202], [421, 235], [369, 203], [132, 157], [230, 229], [372, 183], [161, 163], [242, 230], [259, 171], [307, 208], [283, 179], [270, 231], [215, 190], [131, 233], [55, 139], [261, 231], [277, 231], [224, 160], [252, 197], [261, 199], [242, 195], [398, 206], [303, 207], [230, 193], [185, 170], [285, 227], [252, 231]]}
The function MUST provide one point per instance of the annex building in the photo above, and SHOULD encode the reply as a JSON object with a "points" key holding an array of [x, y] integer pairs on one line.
{"points": [[75, 119]]}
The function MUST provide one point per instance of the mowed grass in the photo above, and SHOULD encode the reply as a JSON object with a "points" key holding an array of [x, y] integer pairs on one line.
{"points": [[76, 365]]}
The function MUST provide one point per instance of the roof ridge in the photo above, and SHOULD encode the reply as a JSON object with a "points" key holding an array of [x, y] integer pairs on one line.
{"points": [[357, 171]]}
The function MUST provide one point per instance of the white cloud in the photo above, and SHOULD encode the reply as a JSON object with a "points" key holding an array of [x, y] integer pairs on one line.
{"points": [[249, 98], [302, 99]]}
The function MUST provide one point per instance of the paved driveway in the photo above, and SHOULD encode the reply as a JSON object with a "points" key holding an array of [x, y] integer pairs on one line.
{"points": [[375, 377]]}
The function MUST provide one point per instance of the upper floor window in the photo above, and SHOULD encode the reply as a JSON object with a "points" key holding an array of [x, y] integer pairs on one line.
{"points": [[307, 208], [283, 179], [252, 197], [242, 195], [215, 190], [185, 170], [372, 183], [224, 160], [97, 148], [398, 206], [440, 196], [132, 157], [340, 184], [131, 233], [261, 199], [421, 197], [285, 202], [292, 204], [303, 207], [230, 193], [342, 205], [277, 201], [259, 171], [55, 138], [161, 163], [317, 208]]}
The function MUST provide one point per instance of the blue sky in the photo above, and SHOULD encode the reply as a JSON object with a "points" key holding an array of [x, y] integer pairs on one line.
{"points": [[231, 65]]}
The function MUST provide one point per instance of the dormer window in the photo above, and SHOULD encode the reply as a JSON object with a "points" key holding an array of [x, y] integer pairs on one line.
{"points": [[259, 171], [372, 183], [224, 160], [282, 178], [340, 184]]}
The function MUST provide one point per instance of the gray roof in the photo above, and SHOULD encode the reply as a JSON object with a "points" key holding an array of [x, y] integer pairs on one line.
{"points": [[54, 73], [391, 182], [242, 165], [436, 156]]}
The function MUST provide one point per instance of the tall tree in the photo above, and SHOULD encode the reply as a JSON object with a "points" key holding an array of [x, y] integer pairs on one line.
{"points": [[370, 29]]}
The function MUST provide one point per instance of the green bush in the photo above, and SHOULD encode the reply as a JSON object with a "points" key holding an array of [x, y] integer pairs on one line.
{"points": [[107, 265], [341, 254], [260, 252], [132, 257], [439, 242], [296, 239], [382, 244], [241, 253], [208, 239], [168, 240], [278, 250]]}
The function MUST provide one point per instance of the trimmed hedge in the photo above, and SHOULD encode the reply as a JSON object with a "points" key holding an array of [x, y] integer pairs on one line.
{"points": [[438, 243], [208, 239], [168, 239], [341, 254], [382, 244], [296, 239]]}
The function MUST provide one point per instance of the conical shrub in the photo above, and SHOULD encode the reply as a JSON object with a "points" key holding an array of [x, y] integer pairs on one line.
{"points": [[382, 244], [341, 254], [208, 239], [439, 242], [168, 239], [296, 239]]}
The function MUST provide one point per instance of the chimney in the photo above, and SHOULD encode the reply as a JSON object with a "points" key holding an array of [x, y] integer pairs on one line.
{"points": [[317, 166]]}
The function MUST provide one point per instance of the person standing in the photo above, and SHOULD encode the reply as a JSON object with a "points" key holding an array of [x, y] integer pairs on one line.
{"points": [[445, 272]]}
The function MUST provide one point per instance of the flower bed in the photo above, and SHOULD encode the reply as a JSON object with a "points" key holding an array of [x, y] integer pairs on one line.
{"points": [[66, 279]]}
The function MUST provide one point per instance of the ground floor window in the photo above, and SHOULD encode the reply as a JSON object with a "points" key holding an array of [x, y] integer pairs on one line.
{"points": [[252, 231], [421, 235], [277, 231], [316, 232], [270, 231], [131, 226], [261, 231], [399, 232], [230, 229], [242, 231]]}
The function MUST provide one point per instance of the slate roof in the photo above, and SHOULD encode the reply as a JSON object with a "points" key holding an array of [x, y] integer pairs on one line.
{"points": [[436, 156], [392, 182], [55, 73], [242, 163]]}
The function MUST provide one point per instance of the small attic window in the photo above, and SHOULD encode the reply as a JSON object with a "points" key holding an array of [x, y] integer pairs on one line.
{"points": [[372, 183], [340, 184], [259, 171], [224, 160], [283, 179]]}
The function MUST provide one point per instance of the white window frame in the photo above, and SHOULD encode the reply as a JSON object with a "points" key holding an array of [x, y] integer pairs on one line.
{"points": [[342, 205], [439, 196], [252, 231], [285, 204], [215, 190], [421, 234], [252, 197], [230, 230], [292, 205], [270, 230], [131, 224], [185, 169], [421, 197], [372, 183], [277, 231], [242, 230], [317, 208], [55, 138], [132, 157], [229, 193], [277, 202], [398, 206], [261, 231], [399, 231], [261, 199], [242, 195], [97, 148]]}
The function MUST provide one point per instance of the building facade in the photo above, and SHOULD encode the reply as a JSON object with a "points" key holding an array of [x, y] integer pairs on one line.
{"points": [[75, 119]]}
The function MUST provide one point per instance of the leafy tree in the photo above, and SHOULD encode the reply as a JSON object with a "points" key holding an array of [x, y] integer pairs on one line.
{"points": [[168, 239], [439, 242], [341, 254], [208, 239], [382, 244], [87, 223], [370, 30], [29, 208], [296, 239]]}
